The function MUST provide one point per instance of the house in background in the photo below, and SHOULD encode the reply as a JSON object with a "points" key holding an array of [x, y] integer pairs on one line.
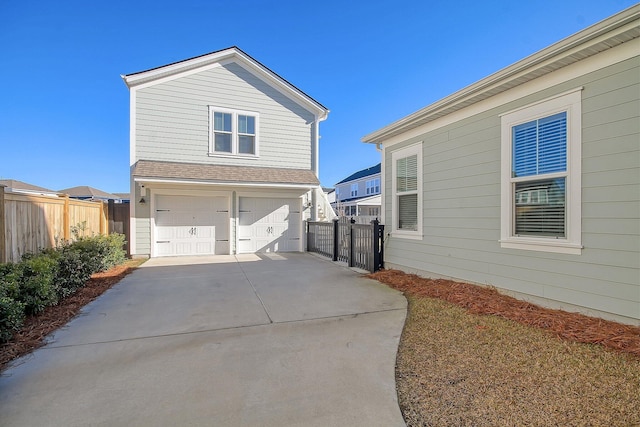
{"points": [[528, 180], [84, 192], [359, 193], [15, 186], [224, 158]]}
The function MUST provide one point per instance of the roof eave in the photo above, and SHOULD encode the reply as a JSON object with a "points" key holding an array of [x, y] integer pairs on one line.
{"points": [[600, 34]]}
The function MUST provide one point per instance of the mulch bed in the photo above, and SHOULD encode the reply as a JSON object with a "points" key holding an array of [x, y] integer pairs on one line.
{"points": [[487, 300], [36, 328]]}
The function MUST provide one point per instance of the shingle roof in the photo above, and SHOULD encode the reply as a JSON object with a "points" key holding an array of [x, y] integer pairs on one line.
{"points": [[88, 192], [362, 173], [224, 173], [19, 185]]}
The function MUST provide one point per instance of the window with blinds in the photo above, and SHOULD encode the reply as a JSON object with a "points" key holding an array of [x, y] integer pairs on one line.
{"points": [[407, 193], [540, 151]]}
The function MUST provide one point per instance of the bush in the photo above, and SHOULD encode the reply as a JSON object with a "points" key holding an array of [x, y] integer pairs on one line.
{"points": [[73, 269], [11, 311], [38, 288], [100, 253]]}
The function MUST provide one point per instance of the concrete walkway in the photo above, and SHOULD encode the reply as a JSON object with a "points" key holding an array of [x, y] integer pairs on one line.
{"points": [[252, 340]]}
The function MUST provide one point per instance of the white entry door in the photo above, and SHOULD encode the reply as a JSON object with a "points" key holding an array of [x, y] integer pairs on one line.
{"points": [[269, 225], [191, 225]]}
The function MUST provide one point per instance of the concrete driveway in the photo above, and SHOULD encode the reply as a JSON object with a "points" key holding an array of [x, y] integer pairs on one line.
{"points": [[252, 340]]}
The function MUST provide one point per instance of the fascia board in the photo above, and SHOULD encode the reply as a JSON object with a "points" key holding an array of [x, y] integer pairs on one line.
{"points": [[144, 180], [625, 21]]}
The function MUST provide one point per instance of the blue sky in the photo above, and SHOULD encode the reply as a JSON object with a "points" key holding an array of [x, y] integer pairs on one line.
{"points": [[64, 110]]}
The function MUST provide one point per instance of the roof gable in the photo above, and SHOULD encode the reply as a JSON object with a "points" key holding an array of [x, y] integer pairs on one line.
{"points": [[221, 57], [362, 174]]}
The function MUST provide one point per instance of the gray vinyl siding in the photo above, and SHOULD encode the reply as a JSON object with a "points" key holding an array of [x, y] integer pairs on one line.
{"points": [[461, 203], [172, 119]]}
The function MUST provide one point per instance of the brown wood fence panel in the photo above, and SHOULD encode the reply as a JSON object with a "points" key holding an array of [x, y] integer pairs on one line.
{"points": [[119, 214], [30, 223]]}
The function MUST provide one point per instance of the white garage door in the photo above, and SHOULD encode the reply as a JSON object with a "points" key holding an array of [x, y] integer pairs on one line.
{"points": [[190, 225], [269, 225]]}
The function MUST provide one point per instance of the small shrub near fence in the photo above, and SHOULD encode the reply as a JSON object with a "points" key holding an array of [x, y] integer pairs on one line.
{"points": [[42, 279]]}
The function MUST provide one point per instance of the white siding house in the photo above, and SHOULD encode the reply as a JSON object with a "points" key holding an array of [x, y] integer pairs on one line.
{"points": [[359, 193], [528, 180], [224, 158]]}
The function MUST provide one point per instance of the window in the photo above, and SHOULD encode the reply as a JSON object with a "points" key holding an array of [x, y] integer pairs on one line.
{"points": [[407, 192], [373, 186], [233, 132], [354, 190], [541, 176]]}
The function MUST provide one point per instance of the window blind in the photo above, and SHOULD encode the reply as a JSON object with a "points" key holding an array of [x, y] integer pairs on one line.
{"points": [[540, 208], [408, 212], [407, 174], [540, 146]]}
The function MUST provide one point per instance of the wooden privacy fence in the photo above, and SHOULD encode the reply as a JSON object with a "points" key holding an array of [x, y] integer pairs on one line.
{"points": [[359, 245], [29, 223]]}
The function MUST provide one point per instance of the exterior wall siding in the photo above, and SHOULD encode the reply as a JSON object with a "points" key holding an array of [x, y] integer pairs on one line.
{"points": [[344, 189], [461, 204], [172, 119]]}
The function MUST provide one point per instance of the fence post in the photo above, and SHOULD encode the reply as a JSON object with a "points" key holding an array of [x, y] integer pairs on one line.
{"points": [[351, 243], [336, 240], [3, 242], [66, 229], [375, 256], [110, 216]]}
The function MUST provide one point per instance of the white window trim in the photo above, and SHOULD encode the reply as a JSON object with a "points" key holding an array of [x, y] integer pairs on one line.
{"points": [[395, 155], [571, 103], [371, 185], [234, 133], [354, 190]]}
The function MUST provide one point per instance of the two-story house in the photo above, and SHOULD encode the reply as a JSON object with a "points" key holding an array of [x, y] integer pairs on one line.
{"points": [[359, 193], [223, 157]]}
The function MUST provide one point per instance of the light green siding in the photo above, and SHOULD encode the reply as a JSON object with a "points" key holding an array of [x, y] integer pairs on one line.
{"points": [[461, 203], [172, 119]]}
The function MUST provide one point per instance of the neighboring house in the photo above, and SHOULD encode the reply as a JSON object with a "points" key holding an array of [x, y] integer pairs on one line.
{"points": [[359, 193], [124, 197], [528, 180], [224, 158], [15, 186], [84, 192]]}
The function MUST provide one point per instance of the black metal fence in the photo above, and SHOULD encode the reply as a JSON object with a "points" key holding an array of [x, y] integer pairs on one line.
{"points": [[359, 245]]}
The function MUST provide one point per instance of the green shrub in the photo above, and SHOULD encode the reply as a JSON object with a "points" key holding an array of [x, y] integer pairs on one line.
{"points": [[38, 288], [100, 252], [73, 270], [11, 317], [11, 311]]}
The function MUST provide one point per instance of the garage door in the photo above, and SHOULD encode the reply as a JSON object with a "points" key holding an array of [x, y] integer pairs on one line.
{"points": [[269, 225], [189, 225]]}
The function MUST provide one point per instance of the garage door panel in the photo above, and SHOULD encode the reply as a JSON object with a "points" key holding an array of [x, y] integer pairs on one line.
{"points": [[191, 225], [269, 225]]}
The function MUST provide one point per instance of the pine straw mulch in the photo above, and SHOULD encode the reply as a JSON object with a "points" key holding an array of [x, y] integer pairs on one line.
{"points": [[36, 328], [476, 299], [468, 356]]}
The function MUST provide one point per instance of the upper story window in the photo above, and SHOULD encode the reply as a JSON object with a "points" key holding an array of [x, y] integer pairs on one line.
{"points": [[233, 133], [354, 190], [407, 192], [373, 186], [541, 190]]}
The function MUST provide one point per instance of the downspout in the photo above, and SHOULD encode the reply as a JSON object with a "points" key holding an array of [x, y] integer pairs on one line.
{"points": [[316, 166]]}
